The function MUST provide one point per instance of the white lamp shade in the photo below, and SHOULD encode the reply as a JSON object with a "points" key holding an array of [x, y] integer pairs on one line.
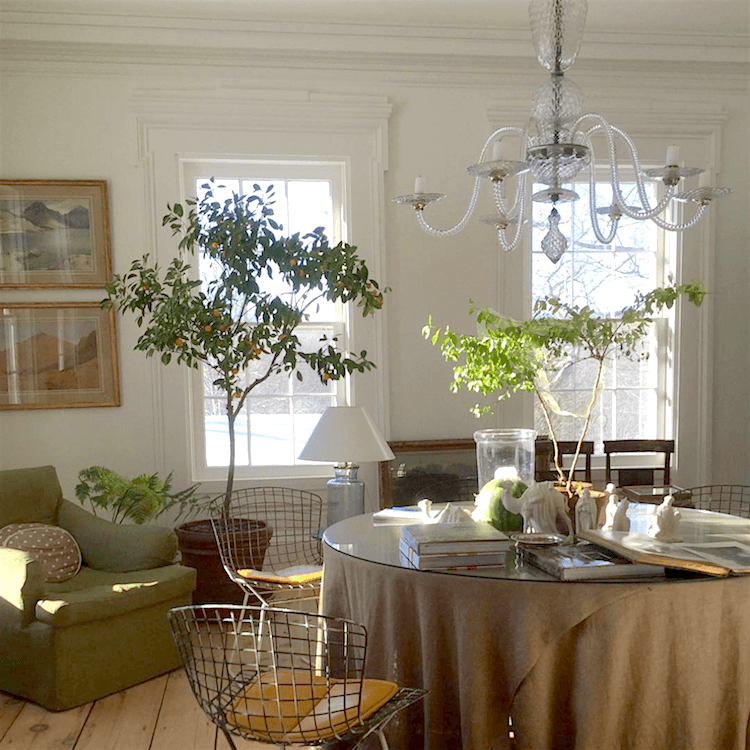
{"points": [[346, 434]]}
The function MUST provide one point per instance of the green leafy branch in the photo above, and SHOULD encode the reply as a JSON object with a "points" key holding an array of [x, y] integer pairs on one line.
{"points": [[509, 356]]}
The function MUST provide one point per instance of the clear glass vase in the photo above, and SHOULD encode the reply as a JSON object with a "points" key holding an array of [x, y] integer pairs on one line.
{"points": [[505, 454]]}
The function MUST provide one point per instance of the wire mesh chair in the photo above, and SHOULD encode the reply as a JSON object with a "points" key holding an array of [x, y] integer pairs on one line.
{"points": [[243, 666], [722, 498], [268, 540]]}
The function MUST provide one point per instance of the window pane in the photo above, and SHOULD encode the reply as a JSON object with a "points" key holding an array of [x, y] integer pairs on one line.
{"points": [[607, 279], [282, 411], [310, 206], [217, 438]]}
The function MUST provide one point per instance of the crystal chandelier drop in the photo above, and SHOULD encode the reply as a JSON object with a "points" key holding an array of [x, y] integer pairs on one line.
{"points": [[557, 144]]}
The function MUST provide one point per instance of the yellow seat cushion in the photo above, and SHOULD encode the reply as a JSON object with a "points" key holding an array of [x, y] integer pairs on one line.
{"points": [[291, 576], [305, 707]]}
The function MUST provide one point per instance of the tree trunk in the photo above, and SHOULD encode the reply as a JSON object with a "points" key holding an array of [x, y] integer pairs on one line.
{"points": [[231, 416]]}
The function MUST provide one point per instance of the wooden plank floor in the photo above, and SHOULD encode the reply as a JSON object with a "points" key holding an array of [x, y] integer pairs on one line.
{"points": [[161, 714]]}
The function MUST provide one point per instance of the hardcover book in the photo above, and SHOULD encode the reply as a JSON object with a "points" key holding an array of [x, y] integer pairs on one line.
{"points": [[450, 561], [716, 557], [457, 538], [584, 562]]}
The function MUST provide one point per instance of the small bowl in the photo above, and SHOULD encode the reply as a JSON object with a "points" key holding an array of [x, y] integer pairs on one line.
{"points": [[538, 540]]}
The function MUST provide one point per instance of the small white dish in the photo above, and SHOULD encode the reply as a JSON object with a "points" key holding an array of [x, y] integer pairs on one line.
{"points": [[538, 540]]}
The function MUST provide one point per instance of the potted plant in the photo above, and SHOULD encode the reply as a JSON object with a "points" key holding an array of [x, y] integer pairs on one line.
{"points": [[231, 322], [141, 499], [509, 356]]}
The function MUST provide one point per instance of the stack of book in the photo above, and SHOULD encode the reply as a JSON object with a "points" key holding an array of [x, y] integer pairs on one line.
{"points": [[453, 546]]}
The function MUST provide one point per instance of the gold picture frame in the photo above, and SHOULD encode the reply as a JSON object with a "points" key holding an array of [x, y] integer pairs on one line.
{"points": [[54, 233], [441, 470], [57, 355]]}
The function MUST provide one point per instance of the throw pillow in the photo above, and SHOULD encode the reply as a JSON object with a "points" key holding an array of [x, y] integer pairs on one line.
{"points": [[52, 547]]}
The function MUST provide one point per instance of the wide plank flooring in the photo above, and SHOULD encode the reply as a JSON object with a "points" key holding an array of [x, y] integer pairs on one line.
{"points": [[161, 714]]}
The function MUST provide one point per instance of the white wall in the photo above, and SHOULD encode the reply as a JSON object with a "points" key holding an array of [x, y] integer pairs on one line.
{"points": [[71, 93]]}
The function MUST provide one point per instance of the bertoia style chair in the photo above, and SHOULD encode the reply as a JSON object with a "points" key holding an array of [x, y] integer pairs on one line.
{"points": [[721, 498], [269, 542], [284, 677]]}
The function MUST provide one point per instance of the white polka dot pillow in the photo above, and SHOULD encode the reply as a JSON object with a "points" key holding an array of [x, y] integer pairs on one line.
{"points": [[52, 547]]}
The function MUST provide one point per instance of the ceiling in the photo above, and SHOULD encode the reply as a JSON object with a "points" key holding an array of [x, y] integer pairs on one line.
{"points": [[730, 17]]}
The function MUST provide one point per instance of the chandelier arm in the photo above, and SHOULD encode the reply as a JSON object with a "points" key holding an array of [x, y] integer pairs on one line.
{"points": [[520, 195], [500, 201], [614, 221], [521, 198], [647, 212], [504, 244], [457, 227], [672, 227], [475, 193], [605, 239]]}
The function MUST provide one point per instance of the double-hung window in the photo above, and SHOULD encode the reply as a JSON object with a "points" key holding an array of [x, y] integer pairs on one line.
{"points": [[636, 400], [280, 413]]}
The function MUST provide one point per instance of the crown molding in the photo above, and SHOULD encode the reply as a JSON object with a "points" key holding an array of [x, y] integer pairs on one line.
{"points": [[444, 68], [158, 37]]}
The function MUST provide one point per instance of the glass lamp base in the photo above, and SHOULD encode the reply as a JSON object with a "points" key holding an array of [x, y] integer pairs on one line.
{"points": [[346, 494]]}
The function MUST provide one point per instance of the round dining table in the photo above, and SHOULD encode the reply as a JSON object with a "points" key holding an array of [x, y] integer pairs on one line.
{"points": [[513, 658]]}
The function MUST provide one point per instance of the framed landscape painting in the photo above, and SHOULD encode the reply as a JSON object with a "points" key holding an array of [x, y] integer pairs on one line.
{"points": [[440, 470], [57, 355], [54, 233]]}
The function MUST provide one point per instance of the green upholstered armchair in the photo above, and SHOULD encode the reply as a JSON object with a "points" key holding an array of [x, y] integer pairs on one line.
{"points": [[105, 629]]}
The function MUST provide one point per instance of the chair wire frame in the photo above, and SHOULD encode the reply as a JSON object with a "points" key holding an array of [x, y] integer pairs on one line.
{"points": [[281, 676], [721, 498], [275, 530]]}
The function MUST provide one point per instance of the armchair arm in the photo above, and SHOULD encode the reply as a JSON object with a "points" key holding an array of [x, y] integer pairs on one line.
{"points": [[21, 586], [117, 547]]}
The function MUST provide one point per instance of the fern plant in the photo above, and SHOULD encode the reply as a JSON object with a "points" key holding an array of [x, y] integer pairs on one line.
{"points": [[142, 499]]}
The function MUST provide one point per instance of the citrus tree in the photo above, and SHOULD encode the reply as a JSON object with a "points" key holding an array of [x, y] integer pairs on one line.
{"points": [[232, 320], [509, 356]]}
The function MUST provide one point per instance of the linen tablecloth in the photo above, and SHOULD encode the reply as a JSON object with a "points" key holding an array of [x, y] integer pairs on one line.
{"points": [[591, 666]]}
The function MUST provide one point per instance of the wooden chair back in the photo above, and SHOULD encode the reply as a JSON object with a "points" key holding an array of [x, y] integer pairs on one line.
{"points": [[638, 475], [544, 450]]}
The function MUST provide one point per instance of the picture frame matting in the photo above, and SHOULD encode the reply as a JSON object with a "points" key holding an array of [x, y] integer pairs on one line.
{"points": [[57, 355]]}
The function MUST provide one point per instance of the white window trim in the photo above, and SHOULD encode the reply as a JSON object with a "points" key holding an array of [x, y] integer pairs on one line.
{"points": [[245, 123], [264, 169]]}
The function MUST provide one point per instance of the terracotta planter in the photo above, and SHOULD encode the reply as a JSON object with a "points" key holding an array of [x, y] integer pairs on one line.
{"points": [[199, 550]]}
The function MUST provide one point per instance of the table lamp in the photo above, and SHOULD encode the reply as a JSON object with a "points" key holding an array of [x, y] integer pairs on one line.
{"points": [[346, 436]]}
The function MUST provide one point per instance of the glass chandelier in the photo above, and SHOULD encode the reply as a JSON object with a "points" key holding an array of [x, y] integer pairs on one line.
{"points": [[557, 144]]}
